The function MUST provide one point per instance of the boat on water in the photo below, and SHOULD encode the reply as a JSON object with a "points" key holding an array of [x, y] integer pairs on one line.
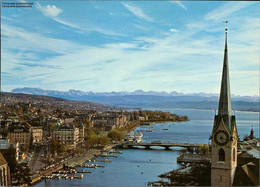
{"points": [[115, 151], [138, 137], [83, 171], [90, 166], [129, 138], [66, 176], [149, 130], [79, 176]]}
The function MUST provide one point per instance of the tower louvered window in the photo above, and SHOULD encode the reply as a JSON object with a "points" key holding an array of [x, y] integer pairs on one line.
{"points": [[221, 155]]}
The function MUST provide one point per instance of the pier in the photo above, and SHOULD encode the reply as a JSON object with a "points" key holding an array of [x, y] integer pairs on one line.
{"points": [[132, 145], [106, 160]]}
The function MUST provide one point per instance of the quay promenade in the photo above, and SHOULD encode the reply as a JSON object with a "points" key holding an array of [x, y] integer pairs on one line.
{"points": [[73, 162]]}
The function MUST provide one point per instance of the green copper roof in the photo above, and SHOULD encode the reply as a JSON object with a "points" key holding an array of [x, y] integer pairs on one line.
{"points": [[224, 109], [225, 98]]}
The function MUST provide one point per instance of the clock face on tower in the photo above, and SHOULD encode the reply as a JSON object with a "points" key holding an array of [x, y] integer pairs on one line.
{"points": [[221, 137]]}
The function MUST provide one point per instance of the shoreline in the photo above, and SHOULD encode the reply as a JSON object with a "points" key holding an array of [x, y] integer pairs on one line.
{"points": [[166, 121], [77, 160], [73, 162], [247, 111]]}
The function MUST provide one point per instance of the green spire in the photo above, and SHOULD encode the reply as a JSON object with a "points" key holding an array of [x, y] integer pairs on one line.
{"points": [[225, 98]]}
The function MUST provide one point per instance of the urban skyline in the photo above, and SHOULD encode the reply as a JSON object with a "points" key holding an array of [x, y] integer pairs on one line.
{"points": [[126, 46]]}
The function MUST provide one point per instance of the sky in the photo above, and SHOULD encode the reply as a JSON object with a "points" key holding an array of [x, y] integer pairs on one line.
{"points": [[130, 45]]}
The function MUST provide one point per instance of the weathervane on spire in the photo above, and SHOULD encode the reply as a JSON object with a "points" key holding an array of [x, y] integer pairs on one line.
{"points": [[226, 22]]}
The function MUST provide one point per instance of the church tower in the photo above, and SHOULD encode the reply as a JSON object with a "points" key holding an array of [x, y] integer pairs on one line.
{"points": [[224, 134]]}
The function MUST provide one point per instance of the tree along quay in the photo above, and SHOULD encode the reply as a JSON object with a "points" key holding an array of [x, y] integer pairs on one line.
{"points": [[143, 118], [158, 116]]}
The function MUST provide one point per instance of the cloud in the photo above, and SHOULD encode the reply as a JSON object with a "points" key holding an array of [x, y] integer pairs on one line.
{"points": [[18, 38], [149, 63], [22, 1], [118, 64], [5, 18], [37, 64], [24, 55], [86, 29], [67, 23], [168, 63], [180, 4], [137, 12], [52, 12], [49, 10], [221, 13], [173, 30]]}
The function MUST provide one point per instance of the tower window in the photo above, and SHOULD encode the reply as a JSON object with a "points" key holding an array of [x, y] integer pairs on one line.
{"points": [[221, 155], [234, 154]]}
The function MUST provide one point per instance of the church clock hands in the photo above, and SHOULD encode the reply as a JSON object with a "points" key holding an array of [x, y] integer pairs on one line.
{"points": [[221, 137]]}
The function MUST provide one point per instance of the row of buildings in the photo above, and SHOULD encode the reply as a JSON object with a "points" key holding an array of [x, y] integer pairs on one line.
{"points": [[69, 131], [25, 135], [69, 135], [110, 121]]}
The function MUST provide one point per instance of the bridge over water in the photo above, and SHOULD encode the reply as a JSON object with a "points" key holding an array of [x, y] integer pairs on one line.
{"points": [[131, 145]]}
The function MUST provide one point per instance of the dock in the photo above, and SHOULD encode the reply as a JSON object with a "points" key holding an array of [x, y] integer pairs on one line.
{"points": [[83, 171], [106, 160], [108, 156]]}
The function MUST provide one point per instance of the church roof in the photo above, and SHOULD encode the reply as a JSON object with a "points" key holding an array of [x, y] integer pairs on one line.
{"points": [[249, 170], [246, 175], [224, 109], [225, 98], [254, 153], [2, 160]]}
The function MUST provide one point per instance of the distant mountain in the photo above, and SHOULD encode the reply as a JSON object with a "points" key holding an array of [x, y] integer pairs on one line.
{"points": [[140, 98], [14, 98]]}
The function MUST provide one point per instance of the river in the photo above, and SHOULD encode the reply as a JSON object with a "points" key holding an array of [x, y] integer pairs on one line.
{"points": [[136, 167]]}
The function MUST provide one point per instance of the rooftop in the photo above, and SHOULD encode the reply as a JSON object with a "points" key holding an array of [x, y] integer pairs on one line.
{"points": [[2, 160]]}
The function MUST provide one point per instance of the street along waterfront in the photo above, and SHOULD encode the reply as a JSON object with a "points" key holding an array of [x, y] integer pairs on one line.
{"points": [[137, 167]]}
